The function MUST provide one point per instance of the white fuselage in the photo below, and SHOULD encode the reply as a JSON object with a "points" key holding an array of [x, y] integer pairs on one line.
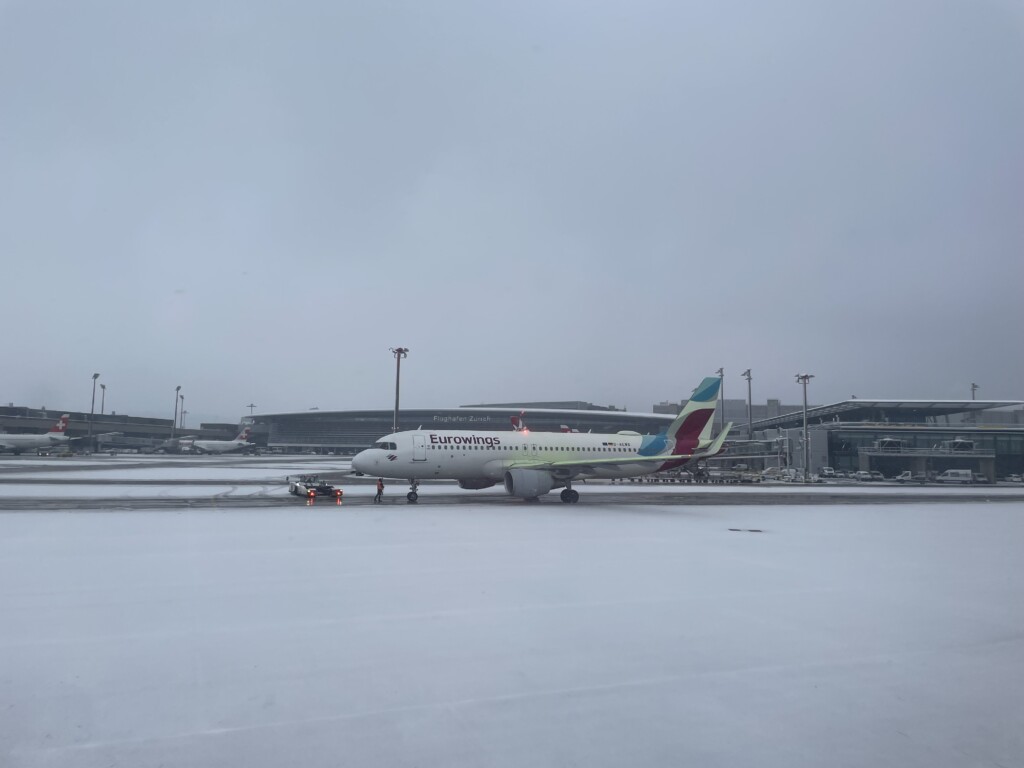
{"points": [[219, 446], [480, 456], [31, 442]]}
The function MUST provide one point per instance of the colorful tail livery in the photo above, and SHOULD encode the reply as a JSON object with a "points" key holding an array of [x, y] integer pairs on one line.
{"points": [[694, 423], [61, 426], [532, 463]]}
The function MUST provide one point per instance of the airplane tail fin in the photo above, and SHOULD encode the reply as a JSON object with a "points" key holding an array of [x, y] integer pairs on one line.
{"points": [[61, 425], [244, 434], [692, 427]]}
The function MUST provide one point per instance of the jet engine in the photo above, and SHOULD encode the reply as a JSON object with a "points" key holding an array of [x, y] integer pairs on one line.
{"points": [[476, 484], [528, 483]]}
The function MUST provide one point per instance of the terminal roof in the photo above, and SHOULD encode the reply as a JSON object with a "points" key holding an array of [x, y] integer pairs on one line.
{"points": [[899, 411]]}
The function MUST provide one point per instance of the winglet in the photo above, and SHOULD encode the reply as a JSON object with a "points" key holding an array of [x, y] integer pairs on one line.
{"points": [[716, 447]]}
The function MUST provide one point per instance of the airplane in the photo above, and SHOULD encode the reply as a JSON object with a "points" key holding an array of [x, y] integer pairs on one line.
{"points": [[18, 443], [530, 464], [240, 443], [56, 436]]}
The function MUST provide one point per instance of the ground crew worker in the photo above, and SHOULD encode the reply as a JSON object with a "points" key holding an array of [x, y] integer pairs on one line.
{"points": [[380, 491]]}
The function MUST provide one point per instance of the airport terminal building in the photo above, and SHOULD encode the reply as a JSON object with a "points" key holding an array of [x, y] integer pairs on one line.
{"points": [[923, 437], [890, 436]]}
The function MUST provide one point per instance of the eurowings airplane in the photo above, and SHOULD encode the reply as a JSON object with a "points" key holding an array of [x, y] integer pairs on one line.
{"points": [[240, 443], [532, 463], [18, 443]]}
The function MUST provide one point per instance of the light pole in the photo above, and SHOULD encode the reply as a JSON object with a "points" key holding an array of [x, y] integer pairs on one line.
{"points": [[803, 378], [974, 388], [252, 407], [399, 353], [721, 392], [92, 408], [103, 399], [750, 421], [181, 424], [174, 421]]}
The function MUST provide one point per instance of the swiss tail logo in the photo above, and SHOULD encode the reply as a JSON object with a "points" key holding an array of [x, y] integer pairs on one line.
{"points": [[244, 434], [61, 425]]}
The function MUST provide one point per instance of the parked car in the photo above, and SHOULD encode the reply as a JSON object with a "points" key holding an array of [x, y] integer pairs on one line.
{"points": [[876, 475], [862, 475], [963, 476], [979, 478], [827, 472], [911, 477], [1013, 478]]}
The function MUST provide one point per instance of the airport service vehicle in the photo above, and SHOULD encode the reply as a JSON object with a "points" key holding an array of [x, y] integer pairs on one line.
{"points": [[910, 477], [240, 444], [964, 476], [780, 474], [311, 486], [18, 443], [530, 464]]}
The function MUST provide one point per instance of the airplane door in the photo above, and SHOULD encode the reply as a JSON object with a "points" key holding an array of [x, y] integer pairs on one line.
{"points": [[419, 448]]}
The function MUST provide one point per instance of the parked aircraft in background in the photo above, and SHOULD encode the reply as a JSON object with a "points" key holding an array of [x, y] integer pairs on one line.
{"points": [[239, 444], [530, 464], [18, 443]]}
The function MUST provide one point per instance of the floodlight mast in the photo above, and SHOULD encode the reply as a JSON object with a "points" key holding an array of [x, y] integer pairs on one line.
{"points": [[721, 391], [803, 378], [92, 409], [399, 353], [750, 421], [174, 421]]}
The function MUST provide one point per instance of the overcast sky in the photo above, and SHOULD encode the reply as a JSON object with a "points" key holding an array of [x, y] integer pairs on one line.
{"points": [[542, 200]]}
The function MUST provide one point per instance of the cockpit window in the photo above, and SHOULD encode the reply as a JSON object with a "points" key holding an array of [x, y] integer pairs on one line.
{"points": [[385, 446]]}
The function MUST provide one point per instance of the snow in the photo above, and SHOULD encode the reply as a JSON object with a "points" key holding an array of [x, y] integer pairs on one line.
{"points": [[129, 468], [514, 635], [176, 491]]}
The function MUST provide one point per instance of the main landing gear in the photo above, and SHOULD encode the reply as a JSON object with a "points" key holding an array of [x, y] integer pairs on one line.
{"points": [[569, 496], [412, 496]]}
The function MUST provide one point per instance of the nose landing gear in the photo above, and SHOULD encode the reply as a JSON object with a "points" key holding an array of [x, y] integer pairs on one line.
{"points": [[412, 496]]}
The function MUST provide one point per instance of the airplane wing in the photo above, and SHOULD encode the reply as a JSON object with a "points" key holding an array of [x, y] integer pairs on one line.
{"points": [[95, 437], [582, 464]]}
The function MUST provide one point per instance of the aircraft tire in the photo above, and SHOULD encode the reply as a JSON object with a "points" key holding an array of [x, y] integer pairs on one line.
{"points": [[566, 496], [412, 496], [574, 496]]}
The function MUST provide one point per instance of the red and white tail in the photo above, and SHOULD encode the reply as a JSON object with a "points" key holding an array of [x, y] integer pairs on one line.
{"points": [[244, 434], [61, 425], [518, 424]]}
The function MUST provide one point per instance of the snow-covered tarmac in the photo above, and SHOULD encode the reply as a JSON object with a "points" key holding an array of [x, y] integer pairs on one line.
{"points": [[514, 635]]}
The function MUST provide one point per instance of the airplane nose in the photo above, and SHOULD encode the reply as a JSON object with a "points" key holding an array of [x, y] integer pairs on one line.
{"points": [[361, 462]]}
